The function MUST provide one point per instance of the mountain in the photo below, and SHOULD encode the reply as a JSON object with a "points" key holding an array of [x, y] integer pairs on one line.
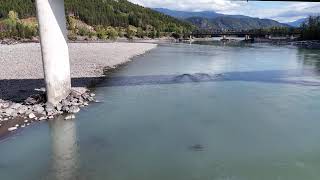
{"points": [[233, 23], [186, 14], [116, 13], [297, 23], [210, 20]]}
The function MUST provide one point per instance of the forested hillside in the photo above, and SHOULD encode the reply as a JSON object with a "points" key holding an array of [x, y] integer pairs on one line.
{"points": [[105, 13]]}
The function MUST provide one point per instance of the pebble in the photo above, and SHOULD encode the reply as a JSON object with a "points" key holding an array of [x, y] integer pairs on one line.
{"points": [[9, 111], [42, 118], [74, 109], [4, 104], [12, 128], [31, 116], [38, 109], [49, 107], [22, 110], [70, 116], [15, 106], [59, 107]]}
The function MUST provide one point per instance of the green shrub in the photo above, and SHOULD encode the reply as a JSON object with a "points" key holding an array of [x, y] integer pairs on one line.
{"points": [[12, 27], [72, 36], [101, 32], [111, 33], [82, 31], [131, 32], [140, 33]]}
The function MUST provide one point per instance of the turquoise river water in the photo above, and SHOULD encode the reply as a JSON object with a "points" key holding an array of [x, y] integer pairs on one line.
{"points": [[186, 112]]}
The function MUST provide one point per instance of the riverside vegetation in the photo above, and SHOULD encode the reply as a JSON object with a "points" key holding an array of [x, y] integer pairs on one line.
{"points": [[104, 19], [109, 19]]}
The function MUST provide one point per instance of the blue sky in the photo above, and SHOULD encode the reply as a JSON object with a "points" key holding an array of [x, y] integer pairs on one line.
{"points": [[280, 11]]}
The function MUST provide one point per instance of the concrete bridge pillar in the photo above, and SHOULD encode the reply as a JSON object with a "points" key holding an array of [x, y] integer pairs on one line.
{"points": [[224, 37], [54, 48], [291, 37]]}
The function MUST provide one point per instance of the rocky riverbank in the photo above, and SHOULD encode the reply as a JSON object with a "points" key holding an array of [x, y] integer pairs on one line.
{"points": [[35, 108], [22, 96]]}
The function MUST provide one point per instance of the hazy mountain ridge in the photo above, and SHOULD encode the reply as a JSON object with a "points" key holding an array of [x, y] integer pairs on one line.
{"points": [[297, 23], [215, 21], [185, 14], [231, 23]]}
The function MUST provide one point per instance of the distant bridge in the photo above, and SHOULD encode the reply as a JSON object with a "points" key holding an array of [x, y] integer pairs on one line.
{"points": [[236, 33]]}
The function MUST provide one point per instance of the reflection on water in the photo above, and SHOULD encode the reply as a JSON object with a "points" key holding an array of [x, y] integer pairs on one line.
{"points": [[310, 58], [186, 112], [64, 149]]}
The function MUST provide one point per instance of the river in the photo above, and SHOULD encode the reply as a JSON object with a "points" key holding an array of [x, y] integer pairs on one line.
{"points": [[186, 112]]}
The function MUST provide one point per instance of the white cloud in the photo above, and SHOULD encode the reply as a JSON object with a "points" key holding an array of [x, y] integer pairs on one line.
{"points": [[281, 11], [190, 5]]}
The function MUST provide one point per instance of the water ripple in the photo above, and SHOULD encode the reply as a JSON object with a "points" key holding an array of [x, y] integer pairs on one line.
{"points": [[296, 77]]}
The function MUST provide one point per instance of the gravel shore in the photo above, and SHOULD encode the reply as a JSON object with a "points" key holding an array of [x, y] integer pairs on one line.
{"points": [[21, 66], [22, 98], [23, 61]]}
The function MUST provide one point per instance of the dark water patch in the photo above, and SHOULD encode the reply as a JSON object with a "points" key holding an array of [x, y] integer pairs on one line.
{"points": [[197, 147], [271, 76]]}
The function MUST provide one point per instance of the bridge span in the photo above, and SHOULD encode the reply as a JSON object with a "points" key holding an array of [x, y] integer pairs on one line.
{"points": [[250, 34]]}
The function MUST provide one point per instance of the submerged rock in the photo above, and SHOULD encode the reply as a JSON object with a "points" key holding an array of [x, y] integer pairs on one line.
{"points": [[196, 147]]}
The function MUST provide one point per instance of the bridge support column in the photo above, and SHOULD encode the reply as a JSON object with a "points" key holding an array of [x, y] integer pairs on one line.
{"points": [[224, 37], [54, 48]]}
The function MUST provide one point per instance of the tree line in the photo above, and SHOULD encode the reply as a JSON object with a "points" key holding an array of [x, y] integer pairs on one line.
{"points": [[118, 18], [104, 14], [310, 29]]}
